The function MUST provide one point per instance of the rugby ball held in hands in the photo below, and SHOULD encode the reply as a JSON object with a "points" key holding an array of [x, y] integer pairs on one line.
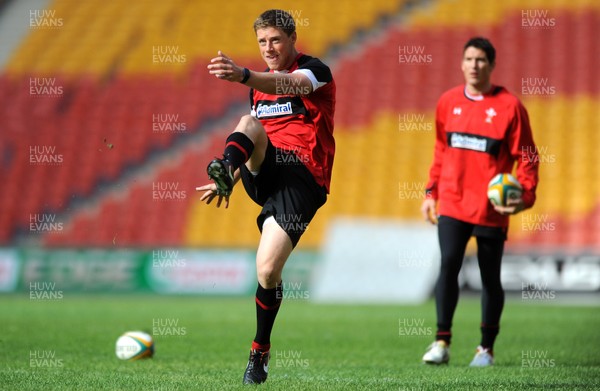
{"points": [[504, 190]]}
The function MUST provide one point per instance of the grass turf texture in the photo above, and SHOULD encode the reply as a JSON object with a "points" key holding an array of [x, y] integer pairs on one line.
{"points": [[315, 347]]}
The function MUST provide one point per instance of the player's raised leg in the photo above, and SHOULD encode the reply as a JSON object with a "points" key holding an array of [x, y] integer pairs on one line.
{"points": [[247, 144], [273, 251]]}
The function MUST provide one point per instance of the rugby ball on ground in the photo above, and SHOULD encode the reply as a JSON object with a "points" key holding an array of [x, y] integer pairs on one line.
{"points": [[134, 345]]}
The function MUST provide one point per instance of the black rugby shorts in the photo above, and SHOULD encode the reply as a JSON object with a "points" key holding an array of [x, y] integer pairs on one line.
{"points": [[286, 190]]}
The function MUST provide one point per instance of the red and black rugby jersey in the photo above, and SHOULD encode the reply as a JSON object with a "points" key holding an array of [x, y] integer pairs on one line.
{"points": [[478, 137], [302, 123]]}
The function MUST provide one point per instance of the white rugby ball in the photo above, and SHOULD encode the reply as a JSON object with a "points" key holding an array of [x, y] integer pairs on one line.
{"points": [[134, 345], [504, 188]]}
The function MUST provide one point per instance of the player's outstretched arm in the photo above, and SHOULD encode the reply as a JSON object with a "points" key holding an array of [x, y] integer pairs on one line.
{"points": [[225, 68], [294, 83]]}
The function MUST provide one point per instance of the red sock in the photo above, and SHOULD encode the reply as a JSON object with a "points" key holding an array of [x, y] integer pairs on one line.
{"points": [[262, 348]]}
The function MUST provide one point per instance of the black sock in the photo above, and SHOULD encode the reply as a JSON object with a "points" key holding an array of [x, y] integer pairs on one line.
{"points": [[488, 335], [443, 335], [267, 306], [238, 149]]}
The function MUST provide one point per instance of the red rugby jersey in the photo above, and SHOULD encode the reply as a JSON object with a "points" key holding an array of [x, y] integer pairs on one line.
{"points": [[302, 123], [478, 137]]}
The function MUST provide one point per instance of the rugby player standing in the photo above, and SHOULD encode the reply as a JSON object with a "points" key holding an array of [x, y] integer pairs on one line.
{"points": [[481, 130]]}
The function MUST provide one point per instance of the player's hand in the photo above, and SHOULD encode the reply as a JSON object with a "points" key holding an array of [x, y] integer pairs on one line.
{"points": [[515, 207], [210, 192], [224, 68], [428, 210]]}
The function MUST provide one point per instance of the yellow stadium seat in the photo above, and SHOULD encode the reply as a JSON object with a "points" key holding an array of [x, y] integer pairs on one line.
{"points": [[134, 29]]}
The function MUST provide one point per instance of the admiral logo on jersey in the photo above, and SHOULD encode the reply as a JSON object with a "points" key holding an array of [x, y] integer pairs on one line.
{"points": [[474, 142], [263, 110], [282, 107], [467, 142]]}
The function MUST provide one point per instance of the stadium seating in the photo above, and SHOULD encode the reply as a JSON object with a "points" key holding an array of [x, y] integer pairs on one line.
{"points": [[384, 115], [110, 101]]}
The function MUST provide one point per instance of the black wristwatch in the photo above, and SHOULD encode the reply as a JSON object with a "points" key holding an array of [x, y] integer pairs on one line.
{"points": [[246, 76]]}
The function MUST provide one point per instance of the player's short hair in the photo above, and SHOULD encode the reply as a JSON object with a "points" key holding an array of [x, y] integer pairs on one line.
{"points": [[483, 44], [276, 18]]}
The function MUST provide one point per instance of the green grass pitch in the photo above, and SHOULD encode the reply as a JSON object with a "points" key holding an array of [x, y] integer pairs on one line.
{"points": [[202, 344]]}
